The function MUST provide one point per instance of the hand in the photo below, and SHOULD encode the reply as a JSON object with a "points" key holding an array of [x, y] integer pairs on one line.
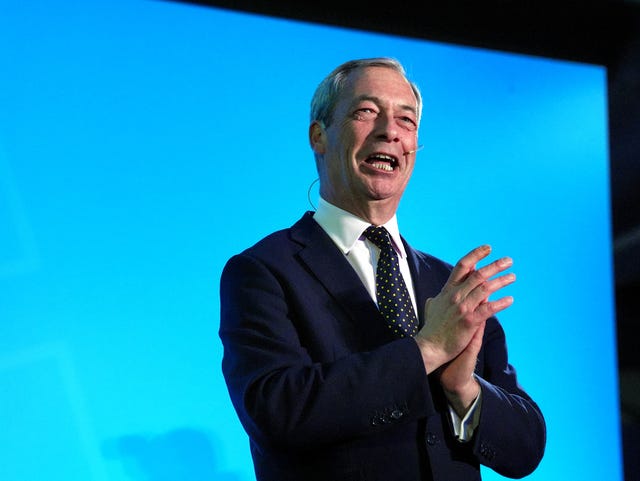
{"points": [[457, 312], [456, 377]]}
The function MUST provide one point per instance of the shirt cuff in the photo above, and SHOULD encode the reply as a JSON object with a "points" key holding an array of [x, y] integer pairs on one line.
{"points": [[463, 428]]}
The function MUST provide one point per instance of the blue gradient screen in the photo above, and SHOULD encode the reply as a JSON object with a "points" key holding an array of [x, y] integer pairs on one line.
{"points": [[142, 143]]}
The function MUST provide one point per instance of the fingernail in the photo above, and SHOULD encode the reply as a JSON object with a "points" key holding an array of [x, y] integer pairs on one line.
{"points": [[506, 261]]}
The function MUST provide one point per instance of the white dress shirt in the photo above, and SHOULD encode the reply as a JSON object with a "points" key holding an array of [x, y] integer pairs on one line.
{"points": [[346, 231]]}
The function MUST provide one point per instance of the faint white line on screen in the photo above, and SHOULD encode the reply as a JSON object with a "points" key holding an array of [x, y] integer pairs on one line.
{"points": [[58, 356], [27, 259]]}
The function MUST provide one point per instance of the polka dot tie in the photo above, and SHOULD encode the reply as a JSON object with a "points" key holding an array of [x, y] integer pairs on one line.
{"points": [[394, 301]]}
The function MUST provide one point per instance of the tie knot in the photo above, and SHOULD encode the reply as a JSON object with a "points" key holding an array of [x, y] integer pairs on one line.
{"points": [[378, 235]]}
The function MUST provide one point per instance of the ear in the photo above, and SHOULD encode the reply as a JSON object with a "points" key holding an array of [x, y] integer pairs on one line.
{"points": [[317, 137]]}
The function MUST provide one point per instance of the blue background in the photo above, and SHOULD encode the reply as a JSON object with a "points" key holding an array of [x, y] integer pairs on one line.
{"points": [[143, 143]]}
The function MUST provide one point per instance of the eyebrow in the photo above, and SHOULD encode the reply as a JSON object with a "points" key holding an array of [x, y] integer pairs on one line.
{"points": [[378, 100]]}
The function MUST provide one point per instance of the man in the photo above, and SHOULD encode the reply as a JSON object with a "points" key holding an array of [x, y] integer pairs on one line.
{"points": [[326, 388]]}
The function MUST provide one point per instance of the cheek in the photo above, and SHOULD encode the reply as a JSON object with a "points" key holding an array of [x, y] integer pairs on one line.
{"points": [[411, 140], [352, 133], [410, 165]]}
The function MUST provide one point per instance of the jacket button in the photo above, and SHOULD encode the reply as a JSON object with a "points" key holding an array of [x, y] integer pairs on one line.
{"points": [[396, 414], [487, 452], [432, 439]]}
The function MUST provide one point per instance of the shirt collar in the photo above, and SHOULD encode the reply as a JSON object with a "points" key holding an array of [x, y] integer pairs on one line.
{"points": [[345, 229]]}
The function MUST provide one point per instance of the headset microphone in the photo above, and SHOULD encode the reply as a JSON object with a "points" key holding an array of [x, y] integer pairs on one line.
{"points": [[409, 152]]}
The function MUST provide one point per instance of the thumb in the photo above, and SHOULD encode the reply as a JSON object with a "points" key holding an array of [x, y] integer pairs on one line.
{"points": [[476, 341]]}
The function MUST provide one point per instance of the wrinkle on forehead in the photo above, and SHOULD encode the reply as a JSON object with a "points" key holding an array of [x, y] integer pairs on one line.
{"points": [[377, 100]]}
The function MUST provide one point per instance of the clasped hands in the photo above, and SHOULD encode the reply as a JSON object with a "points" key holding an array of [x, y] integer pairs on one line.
{"points": [[455, 320]]}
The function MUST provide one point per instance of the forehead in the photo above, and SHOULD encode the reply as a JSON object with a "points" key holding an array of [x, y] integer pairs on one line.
{"points": [[380, 83]]}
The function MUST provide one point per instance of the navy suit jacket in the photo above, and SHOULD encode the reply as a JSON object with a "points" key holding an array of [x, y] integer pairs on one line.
{"points": [[325, 392]]}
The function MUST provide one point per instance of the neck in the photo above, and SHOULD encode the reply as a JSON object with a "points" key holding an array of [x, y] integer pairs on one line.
{"points": [[376, 212]]}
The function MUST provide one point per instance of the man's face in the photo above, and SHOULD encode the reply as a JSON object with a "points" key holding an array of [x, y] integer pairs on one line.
{"points": [[363, 150]]}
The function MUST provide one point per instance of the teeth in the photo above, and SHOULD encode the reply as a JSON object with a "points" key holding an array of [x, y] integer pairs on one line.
{"points": [[381, 166], [386, 165]]}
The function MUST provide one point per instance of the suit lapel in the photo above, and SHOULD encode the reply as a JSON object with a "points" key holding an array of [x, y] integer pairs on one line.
{"points": [[334, 272], [425, 282]]}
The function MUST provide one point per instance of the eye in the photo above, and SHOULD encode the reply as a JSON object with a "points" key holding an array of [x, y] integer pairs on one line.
{"points": [[408, 123], [365, 113]]}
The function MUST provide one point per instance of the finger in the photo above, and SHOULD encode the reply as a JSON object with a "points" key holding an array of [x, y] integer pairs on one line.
{"points": [[481, 279], [468, 263], [487, 309], [495, 267], [482, 291]]}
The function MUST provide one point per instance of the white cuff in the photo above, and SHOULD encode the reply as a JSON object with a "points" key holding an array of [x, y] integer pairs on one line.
{"points": [[463, 428]]}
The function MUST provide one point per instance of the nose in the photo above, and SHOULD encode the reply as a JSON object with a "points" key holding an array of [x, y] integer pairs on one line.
{"points": [[387, 128]]}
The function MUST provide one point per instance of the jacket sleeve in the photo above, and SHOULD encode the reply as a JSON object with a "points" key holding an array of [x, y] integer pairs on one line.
{"points": [[288, 397], [511, 435]]}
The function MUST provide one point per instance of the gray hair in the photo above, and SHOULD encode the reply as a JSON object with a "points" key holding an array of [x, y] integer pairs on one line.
{"points": [[326, 95]]}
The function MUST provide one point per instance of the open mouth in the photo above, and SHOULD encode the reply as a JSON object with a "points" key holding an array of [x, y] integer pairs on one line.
{"points": [[382, 162]]}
